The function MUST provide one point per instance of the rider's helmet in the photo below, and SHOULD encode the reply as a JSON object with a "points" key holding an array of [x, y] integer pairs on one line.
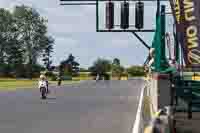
{"points": [[42, 77]]}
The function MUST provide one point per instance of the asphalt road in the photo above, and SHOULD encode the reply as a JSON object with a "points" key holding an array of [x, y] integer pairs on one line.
{"points": [[88, 107]]}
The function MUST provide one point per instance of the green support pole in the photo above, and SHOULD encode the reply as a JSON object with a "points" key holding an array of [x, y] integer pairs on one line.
{"points": [[157, 41], [160, 64]]}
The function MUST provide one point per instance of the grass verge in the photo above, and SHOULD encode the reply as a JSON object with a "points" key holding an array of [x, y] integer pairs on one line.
{"points": [[13, 84]]}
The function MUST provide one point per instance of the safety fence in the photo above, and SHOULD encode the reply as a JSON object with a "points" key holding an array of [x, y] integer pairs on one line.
{"points": [[152, 120]]}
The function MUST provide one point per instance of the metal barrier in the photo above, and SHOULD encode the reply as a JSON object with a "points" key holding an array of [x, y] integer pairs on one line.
{"points": [[161, 123], [153, 121]]}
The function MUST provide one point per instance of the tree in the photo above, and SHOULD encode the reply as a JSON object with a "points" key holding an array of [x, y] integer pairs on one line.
{"points": [[32, 28], [136, 71], [23, 39], [116, 61], [47, 52], [117, 69], [6, 28], [15, 58], [69, 66], [101, 67], [10, 49], [72, 65], [61, 68]]}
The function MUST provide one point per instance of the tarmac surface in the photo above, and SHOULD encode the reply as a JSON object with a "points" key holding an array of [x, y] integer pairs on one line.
{"points": [[88, 107]]}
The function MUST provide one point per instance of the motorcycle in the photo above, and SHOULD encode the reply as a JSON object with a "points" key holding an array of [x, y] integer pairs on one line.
{"points": [[43, 91]]}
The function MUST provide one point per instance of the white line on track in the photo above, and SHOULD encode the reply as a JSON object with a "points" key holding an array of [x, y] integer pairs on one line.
{"points": [[137, 120]]}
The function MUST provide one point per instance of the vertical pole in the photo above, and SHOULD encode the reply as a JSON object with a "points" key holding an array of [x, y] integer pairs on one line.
{"points": [[158, 7], [97, 15], [176, 51], [163, 55]]}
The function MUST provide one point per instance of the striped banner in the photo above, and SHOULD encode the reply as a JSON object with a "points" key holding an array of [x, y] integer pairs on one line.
{"points": [[187, 18]]}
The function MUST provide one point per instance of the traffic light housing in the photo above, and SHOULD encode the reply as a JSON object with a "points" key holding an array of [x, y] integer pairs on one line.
{"points": [[109, 15], [139, 15], [124, 15]]}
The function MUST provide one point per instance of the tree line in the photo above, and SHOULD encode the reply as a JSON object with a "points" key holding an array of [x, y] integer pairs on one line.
{"points": [[106, 68], [23, 40], [102, 67]]}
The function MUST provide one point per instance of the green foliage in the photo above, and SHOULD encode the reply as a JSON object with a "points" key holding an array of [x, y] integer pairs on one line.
{"points": [[117, 69], [5, 70], [106, 76], [84, 70], [47, 52], [7, 33], [136, 71], [51, 75], [72, 65], [23, 39], [33, 29], [116, 61], [54, 78], [69, 66], [66, 77], [101, 67]]}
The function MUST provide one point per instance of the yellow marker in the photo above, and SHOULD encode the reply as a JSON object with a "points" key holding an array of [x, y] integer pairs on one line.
{"points": [[156, 114], [148, 129], [196, 78]]}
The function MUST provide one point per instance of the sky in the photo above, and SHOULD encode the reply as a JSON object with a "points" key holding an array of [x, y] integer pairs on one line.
{"points": [[74, 30]]}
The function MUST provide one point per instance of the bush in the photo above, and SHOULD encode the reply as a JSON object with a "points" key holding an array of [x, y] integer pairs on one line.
{"points": [[53, 77], [136, 71], [5, 70], [106, 76], [50, 75], [66, 77]]}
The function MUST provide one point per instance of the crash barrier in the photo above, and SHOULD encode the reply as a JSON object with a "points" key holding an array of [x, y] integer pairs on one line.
{"points": [[162, 122], [153, 120], [142, 116], [147, 110], [189, 92]]}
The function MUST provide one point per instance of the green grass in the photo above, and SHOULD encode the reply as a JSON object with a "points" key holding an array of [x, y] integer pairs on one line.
{"points": [[13, 84]]}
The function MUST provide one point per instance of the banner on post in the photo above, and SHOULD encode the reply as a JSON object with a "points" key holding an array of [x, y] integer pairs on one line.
{"points": [[187, 18]]}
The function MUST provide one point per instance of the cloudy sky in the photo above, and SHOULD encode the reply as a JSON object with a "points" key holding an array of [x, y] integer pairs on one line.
{"points": [[74, 30]]}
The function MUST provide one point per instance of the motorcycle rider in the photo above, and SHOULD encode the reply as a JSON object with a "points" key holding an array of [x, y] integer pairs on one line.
{"points": [[42, 81], [97, 77], [59, 80], [47, 82]]}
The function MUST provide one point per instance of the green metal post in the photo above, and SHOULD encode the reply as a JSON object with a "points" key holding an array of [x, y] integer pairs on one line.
{"points": [[156, 41]]}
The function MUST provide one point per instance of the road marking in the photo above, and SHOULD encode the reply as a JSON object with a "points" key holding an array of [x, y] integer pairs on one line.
{"points": [[47, 102], [137, 119]]}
